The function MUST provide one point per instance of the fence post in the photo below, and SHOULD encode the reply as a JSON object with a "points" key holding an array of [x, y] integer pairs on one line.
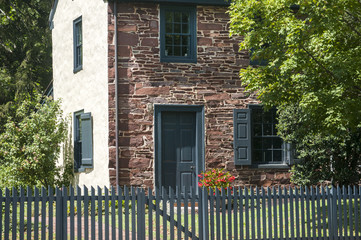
{"points": [[59, 214], [204, 208], [334, 213], [200, 213], [141, 214]]}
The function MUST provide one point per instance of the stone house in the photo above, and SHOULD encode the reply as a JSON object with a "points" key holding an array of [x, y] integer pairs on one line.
{"points": [[153, 91]]}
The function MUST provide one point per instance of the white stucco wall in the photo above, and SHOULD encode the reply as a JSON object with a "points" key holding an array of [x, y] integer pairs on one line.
{"points": [[88, 88]]}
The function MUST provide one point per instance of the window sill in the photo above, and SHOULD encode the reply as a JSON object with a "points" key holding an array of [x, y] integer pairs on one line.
{"points": [[177, 60], [82, 169], [78, 69], [280, 165]]}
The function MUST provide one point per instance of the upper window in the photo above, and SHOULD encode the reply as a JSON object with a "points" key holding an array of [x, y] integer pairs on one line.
{"points": [[255, 138], [178, 34], [83, 141], [78, 44]]}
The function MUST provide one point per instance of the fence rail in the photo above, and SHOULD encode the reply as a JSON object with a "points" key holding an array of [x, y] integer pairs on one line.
{"points": [[136, 213]]}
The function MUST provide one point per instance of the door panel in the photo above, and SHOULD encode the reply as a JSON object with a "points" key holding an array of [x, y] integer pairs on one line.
{"points": [[187, 142], [186, 179], [178, 155], [169, 154]]}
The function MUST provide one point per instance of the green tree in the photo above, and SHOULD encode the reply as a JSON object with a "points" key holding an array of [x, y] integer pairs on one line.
{"points": [[313, 53], [29, 149], [25, 52], [326, 157]]}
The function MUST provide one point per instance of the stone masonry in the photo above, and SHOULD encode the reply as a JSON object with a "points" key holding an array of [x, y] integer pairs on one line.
{"points": [[144, 81]]}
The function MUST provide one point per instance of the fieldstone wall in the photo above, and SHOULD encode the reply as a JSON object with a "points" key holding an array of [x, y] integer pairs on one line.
{"points": [[144, 81]]}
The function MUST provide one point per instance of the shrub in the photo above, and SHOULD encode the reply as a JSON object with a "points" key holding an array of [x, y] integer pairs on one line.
{"points": [[215, 178], [325, 157], [30, 146]]}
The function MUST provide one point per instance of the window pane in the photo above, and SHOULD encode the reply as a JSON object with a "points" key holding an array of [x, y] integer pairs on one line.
{"points": [[185, 28], [77, 57], [268, 155], [185, 40], [177, 40], [267, 129], [257, 156], [185, 17], [78, 61], [168, 28], [277, 156], [80, 33], [77, 33], [81, 55], [168, 39], [178, 17], [78, 136], [267, 117], [257, 129], [184, 51], [177, 51], [257, 115], [169, 17], [177, 28], [257, 143], [277, 143], [267, 143], [168, 50]]}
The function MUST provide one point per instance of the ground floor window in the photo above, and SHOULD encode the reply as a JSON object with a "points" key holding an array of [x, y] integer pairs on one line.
{"points": [[255, 138], [83, 141]]}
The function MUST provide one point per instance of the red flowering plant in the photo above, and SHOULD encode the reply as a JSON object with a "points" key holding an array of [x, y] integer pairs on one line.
{"points": [[216, 178]]}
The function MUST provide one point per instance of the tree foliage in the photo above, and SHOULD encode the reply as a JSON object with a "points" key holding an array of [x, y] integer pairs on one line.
{"points": [[25, 52], [29, 149], [326, 157], [313, 57], [312, 75]]}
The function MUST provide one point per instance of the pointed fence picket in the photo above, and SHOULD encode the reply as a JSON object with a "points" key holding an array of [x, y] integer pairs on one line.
{"points": [[136, 213]]}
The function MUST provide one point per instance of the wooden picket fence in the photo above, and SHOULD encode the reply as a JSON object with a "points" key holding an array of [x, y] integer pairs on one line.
{"points": [[136, 213]]}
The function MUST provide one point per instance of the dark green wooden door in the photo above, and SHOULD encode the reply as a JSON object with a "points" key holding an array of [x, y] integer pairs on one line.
{"points": [[178, 154]]}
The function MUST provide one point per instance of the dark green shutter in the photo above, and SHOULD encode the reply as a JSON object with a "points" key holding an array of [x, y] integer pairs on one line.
{"points": [[242, 136], [87, 140]]}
